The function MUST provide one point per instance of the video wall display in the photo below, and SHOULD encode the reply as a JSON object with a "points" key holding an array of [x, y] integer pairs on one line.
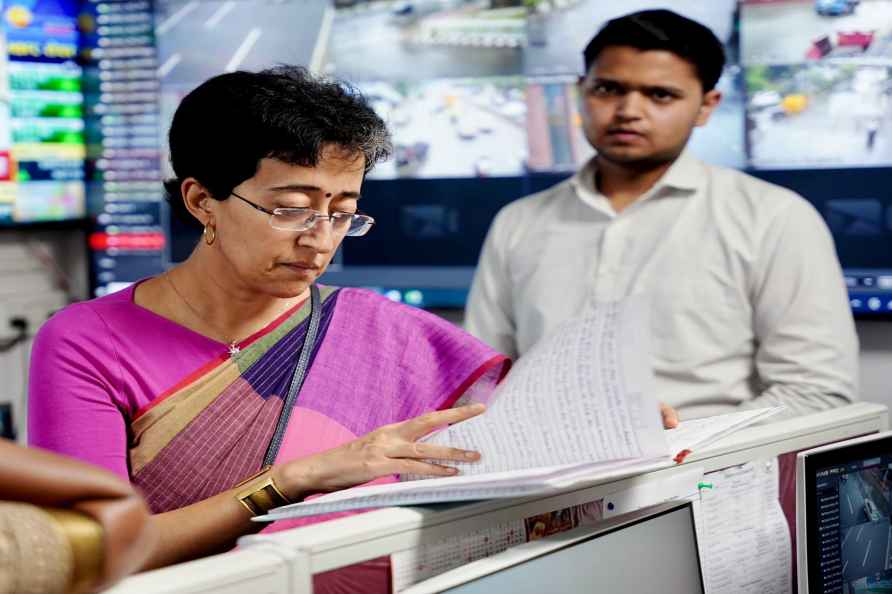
{"points": [[481, 98], [123, 166], [481, 89], [42, 144], [453, 127], [434, 39], [483, 104], [7, 187], [790, 32], [482, 101], [818, 79]]}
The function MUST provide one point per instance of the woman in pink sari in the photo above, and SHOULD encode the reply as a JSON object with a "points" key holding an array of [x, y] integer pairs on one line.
{"points": [[233, 383]]}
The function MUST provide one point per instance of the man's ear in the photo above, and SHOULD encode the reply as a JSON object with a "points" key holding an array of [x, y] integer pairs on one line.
{"points": [[198, 200], [711, 100]]}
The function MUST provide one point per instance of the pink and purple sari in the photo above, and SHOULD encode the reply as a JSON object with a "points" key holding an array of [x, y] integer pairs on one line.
{"points": [[374, 363]]}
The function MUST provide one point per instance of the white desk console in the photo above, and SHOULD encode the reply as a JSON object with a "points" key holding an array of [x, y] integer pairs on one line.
{"points": [[286, 561]]}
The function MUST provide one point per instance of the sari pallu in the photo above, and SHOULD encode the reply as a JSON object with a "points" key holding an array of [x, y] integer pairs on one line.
{"points": [[374, 363]]}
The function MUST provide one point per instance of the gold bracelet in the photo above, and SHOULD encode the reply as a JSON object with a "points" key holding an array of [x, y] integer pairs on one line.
{"points": [[35, 556], [85, 536], [260, 493]]}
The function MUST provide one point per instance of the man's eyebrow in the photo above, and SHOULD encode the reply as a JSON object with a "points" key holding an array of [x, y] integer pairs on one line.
{"points": [[314, 189], [647, 88], [670, 88]]}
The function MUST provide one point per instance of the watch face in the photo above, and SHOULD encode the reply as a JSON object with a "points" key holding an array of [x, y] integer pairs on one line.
{"points": [[260, 494], [277, 498]]}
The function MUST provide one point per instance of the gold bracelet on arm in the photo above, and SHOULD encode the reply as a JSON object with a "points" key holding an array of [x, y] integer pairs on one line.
{"points": [[35, 556], [259, 493], [85, 536]]}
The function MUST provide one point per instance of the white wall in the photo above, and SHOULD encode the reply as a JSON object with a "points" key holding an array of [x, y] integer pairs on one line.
{"points": [[876, 361], [40, 272]]}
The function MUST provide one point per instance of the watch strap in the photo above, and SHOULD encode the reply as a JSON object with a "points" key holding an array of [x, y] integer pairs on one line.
{"points": [[259, 493]]}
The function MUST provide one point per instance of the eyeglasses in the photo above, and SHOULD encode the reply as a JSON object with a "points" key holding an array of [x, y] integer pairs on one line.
{"points": [[304, 219]]}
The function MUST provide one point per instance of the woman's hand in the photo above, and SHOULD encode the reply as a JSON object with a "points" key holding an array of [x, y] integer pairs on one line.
{"points": [[391, 449], [670, 416]]}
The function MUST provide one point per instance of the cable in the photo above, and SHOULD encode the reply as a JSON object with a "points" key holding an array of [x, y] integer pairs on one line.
{"points": [[21, 327]]}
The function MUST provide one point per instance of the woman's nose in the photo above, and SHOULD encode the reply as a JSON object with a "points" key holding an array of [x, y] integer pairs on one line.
{"points": [[319, 237]]}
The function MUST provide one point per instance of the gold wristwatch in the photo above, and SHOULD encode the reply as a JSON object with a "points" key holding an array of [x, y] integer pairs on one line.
{"points": [[259, 493]]}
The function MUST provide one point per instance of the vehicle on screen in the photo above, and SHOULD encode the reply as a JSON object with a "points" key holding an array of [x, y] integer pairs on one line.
{"points": [[870, 509], [835, 7]]}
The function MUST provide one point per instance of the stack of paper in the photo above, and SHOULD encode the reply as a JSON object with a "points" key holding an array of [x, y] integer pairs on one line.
{"points": [[577, 409]]}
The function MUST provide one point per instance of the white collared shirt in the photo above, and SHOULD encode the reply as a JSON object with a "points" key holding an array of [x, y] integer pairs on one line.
{"points": [[747, 300]]}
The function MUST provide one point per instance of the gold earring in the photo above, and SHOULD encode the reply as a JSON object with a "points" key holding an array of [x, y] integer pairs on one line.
{"points": [[210, 234]]}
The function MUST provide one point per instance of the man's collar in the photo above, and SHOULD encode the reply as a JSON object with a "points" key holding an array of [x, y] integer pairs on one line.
{"points": [[686, 174]]}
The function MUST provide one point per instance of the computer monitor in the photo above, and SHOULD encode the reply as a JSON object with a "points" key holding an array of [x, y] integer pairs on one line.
{"points": [[608, 557], [843, 505]]}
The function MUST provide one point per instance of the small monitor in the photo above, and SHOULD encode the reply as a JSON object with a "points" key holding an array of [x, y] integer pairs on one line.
{"points": [[651, 550], [843, 504]]}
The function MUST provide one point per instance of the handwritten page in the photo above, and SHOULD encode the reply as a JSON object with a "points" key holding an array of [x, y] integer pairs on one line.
{"points": [[744, 539], [583, 394]]}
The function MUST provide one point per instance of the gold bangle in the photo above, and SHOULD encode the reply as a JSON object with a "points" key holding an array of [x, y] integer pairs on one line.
{"points": [[35, 556], [260, 493], [85, 536]]}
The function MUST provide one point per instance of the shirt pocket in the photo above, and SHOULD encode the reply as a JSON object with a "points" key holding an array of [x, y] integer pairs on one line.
{"points": [[697, 321]]}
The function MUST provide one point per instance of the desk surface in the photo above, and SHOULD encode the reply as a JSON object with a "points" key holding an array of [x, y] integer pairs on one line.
{"points": [[286, 561]]}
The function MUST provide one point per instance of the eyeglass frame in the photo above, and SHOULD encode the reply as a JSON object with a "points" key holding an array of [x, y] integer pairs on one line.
{"points": [[317, 216]]}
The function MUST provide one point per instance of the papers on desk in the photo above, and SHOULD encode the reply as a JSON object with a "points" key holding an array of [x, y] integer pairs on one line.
{"points": [[578, 409], [744, 539]]}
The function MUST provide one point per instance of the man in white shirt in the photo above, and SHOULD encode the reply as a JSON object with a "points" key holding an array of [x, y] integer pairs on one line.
{"points": [[747, 300]]}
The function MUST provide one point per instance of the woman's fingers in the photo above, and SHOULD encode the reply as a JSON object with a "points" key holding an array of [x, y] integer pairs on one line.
{"points": [[421, 426], [425, 451], [670, 416], [388, 450], [407, 466]]}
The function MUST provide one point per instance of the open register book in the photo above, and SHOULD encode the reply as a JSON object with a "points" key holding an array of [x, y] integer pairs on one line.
{"points": [[578, 409]]}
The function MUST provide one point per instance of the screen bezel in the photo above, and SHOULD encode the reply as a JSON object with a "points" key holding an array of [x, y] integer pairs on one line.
{"points": [[599, 533], [818, 460]]}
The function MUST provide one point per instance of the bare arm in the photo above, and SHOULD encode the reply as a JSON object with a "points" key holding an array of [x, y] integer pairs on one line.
{"points": [[49, 480], [43, 478]]}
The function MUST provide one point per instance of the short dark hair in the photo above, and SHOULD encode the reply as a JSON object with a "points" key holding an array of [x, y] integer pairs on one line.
{"points": [[223, 128], [663, 30]]}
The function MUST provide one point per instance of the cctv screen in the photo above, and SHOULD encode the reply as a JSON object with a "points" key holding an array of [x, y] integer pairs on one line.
{"points": [[850, 540]]}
